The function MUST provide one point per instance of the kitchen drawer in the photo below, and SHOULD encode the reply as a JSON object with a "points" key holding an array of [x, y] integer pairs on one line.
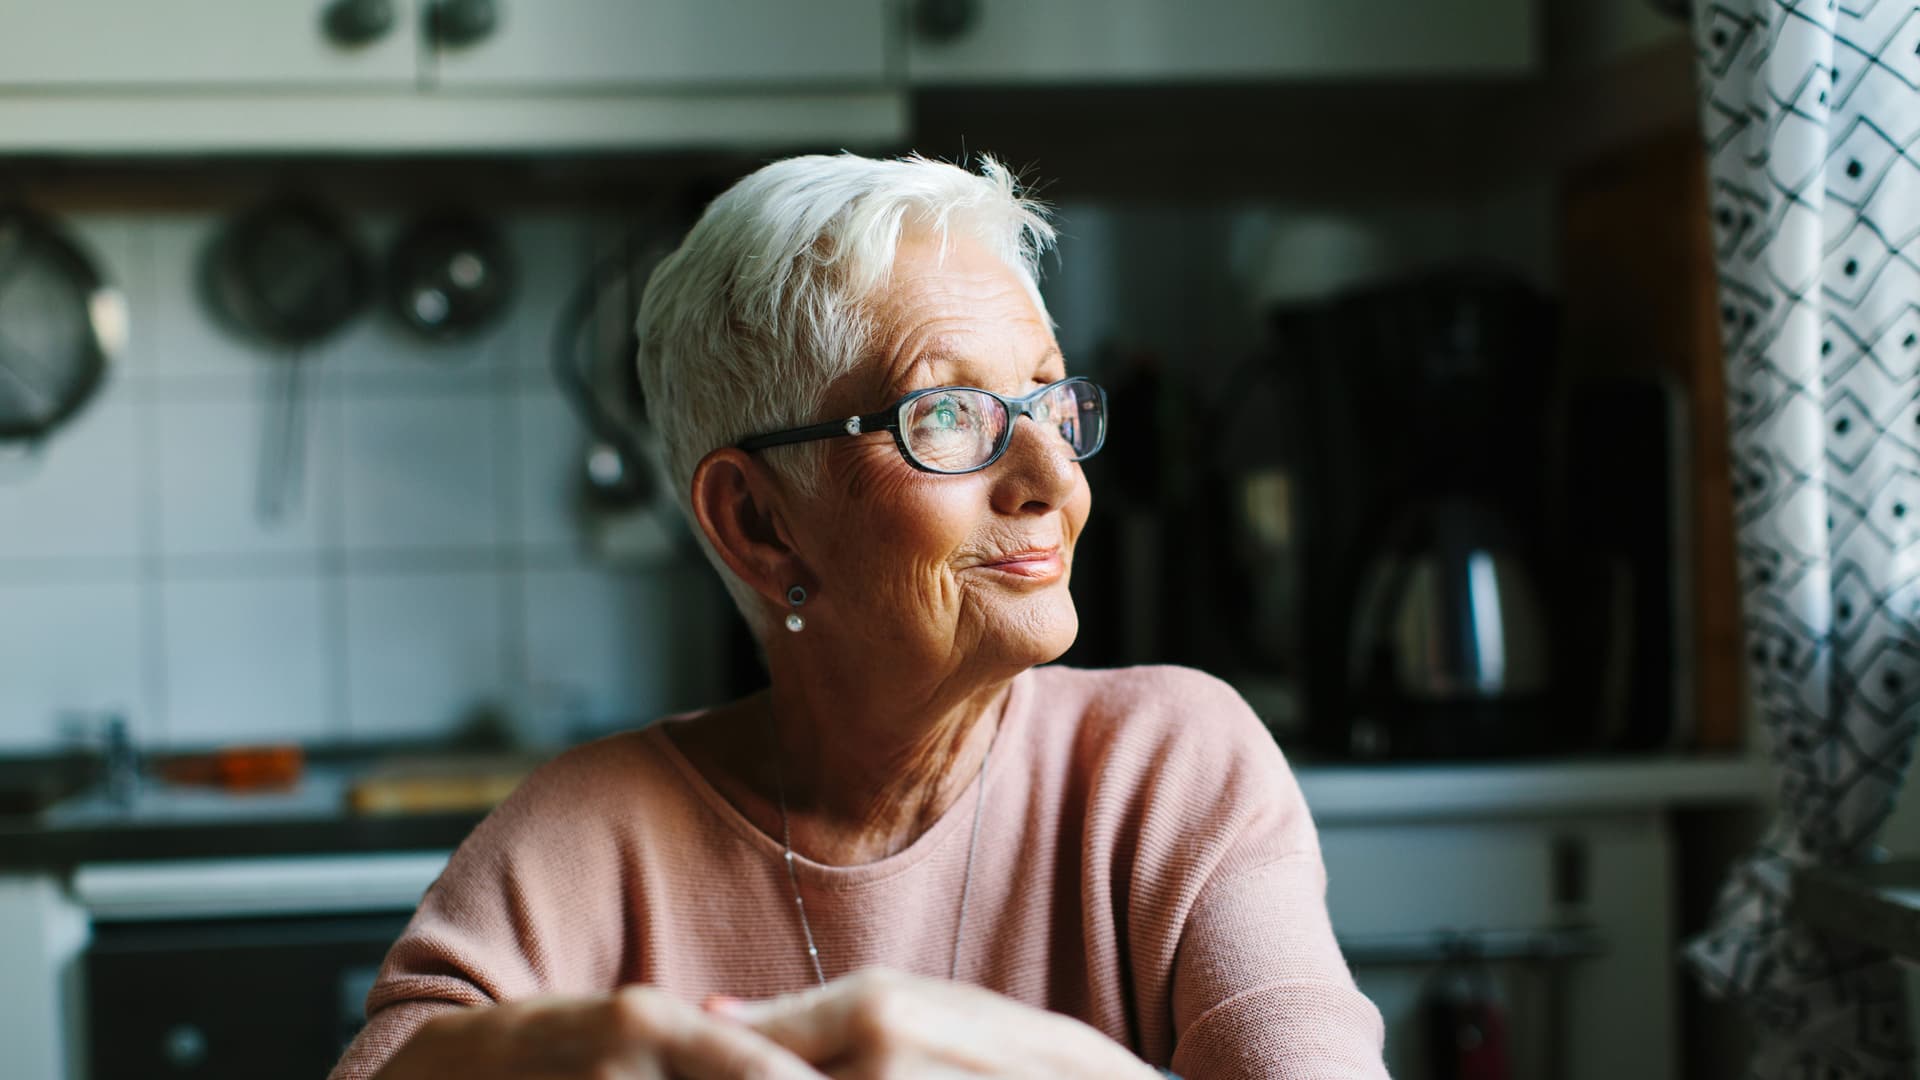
{"points": [[1412, 879], [1394, 890]]}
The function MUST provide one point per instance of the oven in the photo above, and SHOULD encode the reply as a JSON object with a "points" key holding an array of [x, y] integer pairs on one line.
{"points": [[237, 968]]}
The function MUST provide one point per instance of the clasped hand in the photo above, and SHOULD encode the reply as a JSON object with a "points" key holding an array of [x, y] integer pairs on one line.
{"points": [[871, 1025]]}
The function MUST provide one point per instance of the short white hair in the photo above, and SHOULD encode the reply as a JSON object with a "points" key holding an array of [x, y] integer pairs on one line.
{"points": [[767, 301]]}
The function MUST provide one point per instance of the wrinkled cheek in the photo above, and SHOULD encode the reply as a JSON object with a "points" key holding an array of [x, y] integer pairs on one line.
{"points": [[944, 595], [907, 591]]}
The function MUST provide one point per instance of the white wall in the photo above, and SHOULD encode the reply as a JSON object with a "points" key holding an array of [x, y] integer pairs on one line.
{"points": [[432, 564]]}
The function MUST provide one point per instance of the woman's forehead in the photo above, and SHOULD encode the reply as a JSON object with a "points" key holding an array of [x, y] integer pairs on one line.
{"points": [[1002, 358], [961, 315]]}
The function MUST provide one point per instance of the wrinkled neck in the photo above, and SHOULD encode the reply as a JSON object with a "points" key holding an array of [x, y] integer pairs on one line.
{"points": [[868, 764]]}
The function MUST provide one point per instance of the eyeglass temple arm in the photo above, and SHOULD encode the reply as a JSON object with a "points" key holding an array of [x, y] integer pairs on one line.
{"points": [[853, 425]]}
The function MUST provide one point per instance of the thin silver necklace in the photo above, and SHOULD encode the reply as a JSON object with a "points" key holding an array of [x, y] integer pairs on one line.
{"points": [[966, 882]]}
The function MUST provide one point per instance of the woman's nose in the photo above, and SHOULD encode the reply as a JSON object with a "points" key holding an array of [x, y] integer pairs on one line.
{"points": [[1037, 472]]}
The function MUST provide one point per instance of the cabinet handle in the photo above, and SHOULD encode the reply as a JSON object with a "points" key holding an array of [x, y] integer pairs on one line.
{"points": [[945, 20], [462, 22], [357, 22]]}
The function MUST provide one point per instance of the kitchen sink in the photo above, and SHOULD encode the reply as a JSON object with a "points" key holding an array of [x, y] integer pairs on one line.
{"points": [[320, 794]]}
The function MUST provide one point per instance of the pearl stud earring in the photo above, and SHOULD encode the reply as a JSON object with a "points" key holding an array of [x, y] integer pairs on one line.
{"points": [[796, 596]]}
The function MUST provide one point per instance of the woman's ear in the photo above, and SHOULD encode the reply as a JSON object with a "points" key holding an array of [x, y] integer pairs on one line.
{"points": [[735, 503]]}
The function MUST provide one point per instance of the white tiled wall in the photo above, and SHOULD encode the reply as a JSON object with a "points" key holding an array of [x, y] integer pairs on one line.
{"points": [[428, 565]]}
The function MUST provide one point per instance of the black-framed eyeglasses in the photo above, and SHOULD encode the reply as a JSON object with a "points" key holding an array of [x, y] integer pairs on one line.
{"points": [[963, 429]]}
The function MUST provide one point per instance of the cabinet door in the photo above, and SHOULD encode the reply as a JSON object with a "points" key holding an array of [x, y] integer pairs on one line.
{"points": [[1119, 41], [1391, 888], [583, 44], [194, 43]]}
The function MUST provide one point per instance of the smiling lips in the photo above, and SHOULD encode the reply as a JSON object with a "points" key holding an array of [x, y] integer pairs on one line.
{"points": [[1037, 564]]}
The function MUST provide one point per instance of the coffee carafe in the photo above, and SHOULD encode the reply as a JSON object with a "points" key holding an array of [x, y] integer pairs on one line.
{"points": [[1450, 645]]}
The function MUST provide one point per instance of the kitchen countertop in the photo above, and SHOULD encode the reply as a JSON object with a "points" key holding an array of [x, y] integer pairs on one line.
{"points": [[169, 822], [1349, 793], [313, 818], [1877, 905]]}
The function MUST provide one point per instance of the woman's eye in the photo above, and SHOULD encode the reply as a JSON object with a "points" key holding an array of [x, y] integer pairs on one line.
{"points": [[947, 414]]}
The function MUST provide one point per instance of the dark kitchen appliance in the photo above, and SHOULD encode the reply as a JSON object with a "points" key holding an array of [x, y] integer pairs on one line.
{"points": [[227, 999], [1622, 512], [1387, 517], [60, 324]]}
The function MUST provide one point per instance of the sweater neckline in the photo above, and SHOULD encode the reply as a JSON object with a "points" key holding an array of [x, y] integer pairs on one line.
{"points": [[831, 875]]}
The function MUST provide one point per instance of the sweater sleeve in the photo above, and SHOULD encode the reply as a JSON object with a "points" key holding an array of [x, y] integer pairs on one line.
{"points": [[1260, 989], [1230, 882], [531, 903]]}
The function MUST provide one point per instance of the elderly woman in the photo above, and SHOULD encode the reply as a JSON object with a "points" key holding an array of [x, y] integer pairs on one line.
{"points": [[918, 852]]}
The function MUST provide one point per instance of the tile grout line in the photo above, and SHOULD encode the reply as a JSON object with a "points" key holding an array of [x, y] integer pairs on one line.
{"points": [[335, 580], [155, 672], [510, 585]]}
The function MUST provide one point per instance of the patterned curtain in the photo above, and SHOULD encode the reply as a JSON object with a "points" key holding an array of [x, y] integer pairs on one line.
{"points": [[1811, 112]]}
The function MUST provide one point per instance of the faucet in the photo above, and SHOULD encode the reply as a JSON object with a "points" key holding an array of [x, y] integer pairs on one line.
{"points": [[122, 759], [107, 732]]}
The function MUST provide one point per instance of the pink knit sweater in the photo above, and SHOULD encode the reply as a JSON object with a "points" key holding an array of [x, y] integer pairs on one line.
{"points": [[1145, 863]]}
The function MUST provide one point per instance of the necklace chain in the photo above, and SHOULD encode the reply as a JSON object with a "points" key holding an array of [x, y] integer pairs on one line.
{"points": [[966, 881]]}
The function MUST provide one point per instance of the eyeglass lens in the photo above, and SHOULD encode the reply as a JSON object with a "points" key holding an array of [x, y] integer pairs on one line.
{"points": [[958, 429]]}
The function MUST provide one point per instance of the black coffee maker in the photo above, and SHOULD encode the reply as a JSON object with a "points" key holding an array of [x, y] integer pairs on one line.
{"points": [[1406, 427]]}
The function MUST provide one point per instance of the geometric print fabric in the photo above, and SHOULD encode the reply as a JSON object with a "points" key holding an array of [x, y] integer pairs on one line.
{"points": [[1811, 116]]}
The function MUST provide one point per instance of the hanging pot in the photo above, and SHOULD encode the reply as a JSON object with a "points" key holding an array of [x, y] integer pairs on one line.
{"points": [[449, 276], [595, 347]]}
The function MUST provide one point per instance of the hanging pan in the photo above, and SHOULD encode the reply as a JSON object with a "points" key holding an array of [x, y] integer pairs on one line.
{"points": [[60, 326], [288, 274]]}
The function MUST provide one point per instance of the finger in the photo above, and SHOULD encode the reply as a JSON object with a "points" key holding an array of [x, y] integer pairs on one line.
{"points": [[840, 1018], [697, 1046], [815, 1024]]}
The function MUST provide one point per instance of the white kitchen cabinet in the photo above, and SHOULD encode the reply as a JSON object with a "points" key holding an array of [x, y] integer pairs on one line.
{"points": [[1394, 888], [575, 44], [1009, 42], [1524, 853], [183, 44], [267, 77]]}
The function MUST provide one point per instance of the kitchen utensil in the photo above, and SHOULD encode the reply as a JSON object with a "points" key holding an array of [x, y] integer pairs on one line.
{"points": [[1467, 1027], [449, 276], [289, 274], [236, 768], [595, 345], [60, 325]]}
